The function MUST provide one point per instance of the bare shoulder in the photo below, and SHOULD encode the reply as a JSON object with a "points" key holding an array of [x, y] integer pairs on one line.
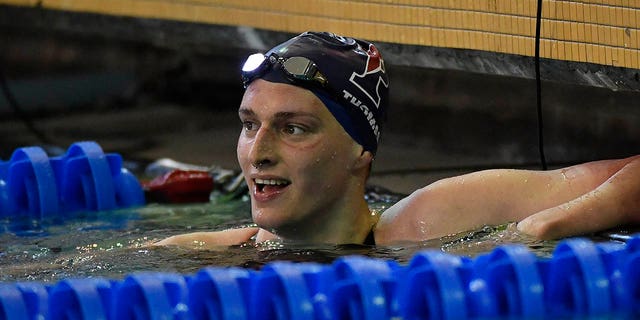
{"points": [[210, 240], [413, 218]]}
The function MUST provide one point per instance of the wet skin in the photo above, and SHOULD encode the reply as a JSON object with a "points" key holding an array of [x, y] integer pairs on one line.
{"points": [[305, 174]]}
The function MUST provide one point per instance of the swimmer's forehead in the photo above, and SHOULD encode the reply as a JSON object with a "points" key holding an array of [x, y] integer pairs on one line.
{"points": [[281, 99], [249, 112]]}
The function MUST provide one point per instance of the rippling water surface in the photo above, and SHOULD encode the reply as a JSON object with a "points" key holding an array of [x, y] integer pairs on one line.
{"points": [[113, 244]]}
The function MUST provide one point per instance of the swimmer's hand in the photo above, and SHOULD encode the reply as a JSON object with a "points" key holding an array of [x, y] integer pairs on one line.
{"points": [[210, 240], [614, 203]]}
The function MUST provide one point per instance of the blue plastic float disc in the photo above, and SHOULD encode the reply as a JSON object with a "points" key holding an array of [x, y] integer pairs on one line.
{"points": [[612, 255], [31, 184], [23, 300], [577, 283], [286, 290], [36, 296], [513, 277], [432, 288], [364, 289], [81, 299], [219, 293], [12, 304], [87, 183], [151, 295]]}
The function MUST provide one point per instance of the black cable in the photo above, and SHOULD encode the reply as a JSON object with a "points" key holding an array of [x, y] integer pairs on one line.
{"points": [[13, 103], [543, 161]]}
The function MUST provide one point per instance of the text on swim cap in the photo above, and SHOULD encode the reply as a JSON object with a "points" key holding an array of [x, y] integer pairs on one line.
{"points": [[365, 110]]}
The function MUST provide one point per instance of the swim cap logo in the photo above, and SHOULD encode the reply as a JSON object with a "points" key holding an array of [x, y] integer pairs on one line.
{"points": [[373, 68]]}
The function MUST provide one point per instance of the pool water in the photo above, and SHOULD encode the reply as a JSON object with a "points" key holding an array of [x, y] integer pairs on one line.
{"points": [[116, 243]]}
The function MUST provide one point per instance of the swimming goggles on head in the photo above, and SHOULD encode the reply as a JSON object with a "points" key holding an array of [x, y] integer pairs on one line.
{"points": [[296, 69]]}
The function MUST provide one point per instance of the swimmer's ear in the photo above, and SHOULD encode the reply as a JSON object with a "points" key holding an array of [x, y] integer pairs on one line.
{"points": [[364, 159]]}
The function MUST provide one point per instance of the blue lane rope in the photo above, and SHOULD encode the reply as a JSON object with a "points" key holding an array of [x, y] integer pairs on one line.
{"points": [[36, 187], [582, 278]]}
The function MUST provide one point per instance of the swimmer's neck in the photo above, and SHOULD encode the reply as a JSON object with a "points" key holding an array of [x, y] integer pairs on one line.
{"points": [[346, 228]]}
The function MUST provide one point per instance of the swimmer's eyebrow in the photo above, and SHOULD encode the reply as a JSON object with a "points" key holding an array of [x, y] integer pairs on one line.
{"points": [[279, 115], [246, 112]]}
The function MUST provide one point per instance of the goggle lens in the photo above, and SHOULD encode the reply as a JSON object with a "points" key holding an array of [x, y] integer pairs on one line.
{"points": [[296, 68], [300, 68]]}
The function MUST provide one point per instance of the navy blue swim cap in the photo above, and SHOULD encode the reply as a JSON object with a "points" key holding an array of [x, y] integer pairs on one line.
{"points": [[346, 74]]}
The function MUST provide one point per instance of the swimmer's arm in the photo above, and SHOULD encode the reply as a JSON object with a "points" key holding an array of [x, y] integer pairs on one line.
{"points": [[615, 202], [210, 240], [495, 197]]}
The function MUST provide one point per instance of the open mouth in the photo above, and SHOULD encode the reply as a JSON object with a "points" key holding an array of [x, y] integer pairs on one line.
{"points": [[270, 185]]}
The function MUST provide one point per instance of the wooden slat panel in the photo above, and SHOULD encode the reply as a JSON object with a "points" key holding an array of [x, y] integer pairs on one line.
{"points": [[594, 31]]}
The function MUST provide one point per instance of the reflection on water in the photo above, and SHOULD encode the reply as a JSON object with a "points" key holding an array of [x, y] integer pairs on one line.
{"points": [[113, 244]]}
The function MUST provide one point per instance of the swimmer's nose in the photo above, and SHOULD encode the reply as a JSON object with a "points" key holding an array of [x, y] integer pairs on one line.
{"points": [[260, 164], [263, 151]]}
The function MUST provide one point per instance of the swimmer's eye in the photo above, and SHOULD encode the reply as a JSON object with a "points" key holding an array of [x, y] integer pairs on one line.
{"points": [[292, 129], [248, 125]]}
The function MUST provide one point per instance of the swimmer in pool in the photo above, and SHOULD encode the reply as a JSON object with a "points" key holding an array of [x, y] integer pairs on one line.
{"points": [[312, 114]]}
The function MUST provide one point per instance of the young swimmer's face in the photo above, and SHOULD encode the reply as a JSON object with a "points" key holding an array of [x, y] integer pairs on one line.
{"points": [[295, 157]]}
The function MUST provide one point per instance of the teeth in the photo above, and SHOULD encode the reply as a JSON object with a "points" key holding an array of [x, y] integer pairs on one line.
{"points": [[272, 182]]}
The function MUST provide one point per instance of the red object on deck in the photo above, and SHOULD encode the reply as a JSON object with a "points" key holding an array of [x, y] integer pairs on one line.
{"points": [[179, 186]]}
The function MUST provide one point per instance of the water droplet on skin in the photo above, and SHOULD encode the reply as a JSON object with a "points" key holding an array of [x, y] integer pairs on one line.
{"points": [[423, 227]]}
